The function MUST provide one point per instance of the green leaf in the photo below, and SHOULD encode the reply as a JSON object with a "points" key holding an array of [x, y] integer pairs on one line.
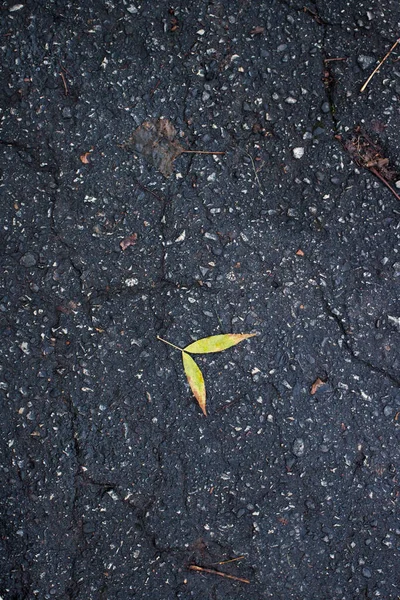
{"points": [[196, 380], [217, 343]]}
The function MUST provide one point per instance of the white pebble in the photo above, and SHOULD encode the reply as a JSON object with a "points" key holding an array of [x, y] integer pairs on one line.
{"points": [[298, 152]]}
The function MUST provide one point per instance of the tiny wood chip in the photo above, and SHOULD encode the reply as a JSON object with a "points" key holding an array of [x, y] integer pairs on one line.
{"points": [[84, 158], [155, 140], [316, 385], [128, 241]]}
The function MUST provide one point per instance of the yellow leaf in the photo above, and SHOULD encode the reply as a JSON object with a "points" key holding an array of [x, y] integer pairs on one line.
{"points": [[196, 380], [217, 343]]}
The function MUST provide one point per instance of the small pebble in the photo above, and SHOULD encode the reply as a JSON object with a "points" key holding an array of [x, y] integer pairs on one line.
{"points": [[298, 152], [366, 572], [28, 260], [325, 107], [365, 61], [88, 528], [298, 447], [66, 112], [318, 131]]}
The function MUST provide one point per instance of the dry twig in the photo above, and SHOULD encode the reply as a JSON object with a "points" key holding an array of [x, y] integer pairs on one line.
{"points": [[214, 572], [379, 65]]}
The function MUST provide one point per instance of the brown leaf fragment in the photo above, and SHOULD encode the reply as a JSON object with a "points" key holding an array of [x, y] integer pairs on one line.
{"points": [[155, 140], [257, 30], [300, 252], [128, 241], [84, 158], [367, 154], [316, 385]]}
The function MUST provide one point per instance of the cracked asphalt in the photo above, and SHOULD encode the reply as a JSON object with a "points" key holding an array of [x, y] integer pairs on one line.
{"points": [[113, 482]]}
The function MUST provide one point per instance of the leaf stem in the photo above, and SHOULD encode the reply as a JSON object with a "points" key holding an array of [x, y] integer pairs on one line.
{"points": [[169, 344]]}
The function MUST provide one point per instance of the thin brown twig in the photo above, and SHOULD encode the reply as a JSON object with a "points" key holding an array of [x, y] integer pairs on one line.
{"points": [[200, 152], [332, 59], [144, 188], [379, 65], [65, 70], [224, 562], [65, 84], [153, 91], [379, 176], [214, 572]]}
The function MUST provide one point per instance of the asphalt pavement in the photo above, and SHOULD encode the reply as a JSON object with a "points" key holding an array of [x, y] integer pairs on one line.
{"points": [[115, 486]]}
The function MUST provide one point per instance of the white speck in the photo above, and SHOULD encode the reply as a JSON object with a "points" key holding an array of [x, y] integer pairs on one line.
{"points": [[24, 347], [298, 152], [104, 63], [395, 320], [16, 7], [113, 495], [201, 32], [131, 282], [181, 237], [90, 199], [290, 100], [212, 177]]}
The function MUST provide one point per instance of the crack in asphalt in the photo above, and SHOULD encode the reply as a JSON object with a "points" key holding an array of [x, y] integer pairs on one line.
{"points": [[355, 356]]}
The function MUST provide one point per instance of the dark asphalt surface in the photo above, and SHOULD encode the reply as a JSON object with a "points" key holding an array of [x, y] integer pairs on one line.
{"points": [[113, 482]]}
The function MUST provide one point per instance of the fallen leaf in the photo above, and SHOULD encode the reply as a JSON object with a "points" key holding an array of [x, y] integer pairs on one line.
{"points": [[155, 140], [217, 343], [128, 241], [196, 380], [84, 158], [316, 385]]}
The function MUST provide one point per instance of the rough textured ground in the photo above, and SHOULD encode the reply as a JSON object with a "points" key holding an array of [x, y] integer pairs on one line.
{"points": [[113, 480]]}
